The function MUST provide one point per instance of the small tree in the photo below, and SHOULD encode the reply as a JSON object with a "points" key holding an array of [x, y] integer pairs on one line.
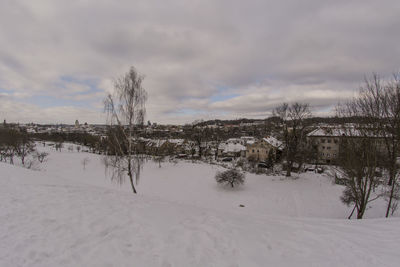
{"points": [[159, 158], [24, 146], [85, 162], [230, 177], [41, 156], [59, 145]]}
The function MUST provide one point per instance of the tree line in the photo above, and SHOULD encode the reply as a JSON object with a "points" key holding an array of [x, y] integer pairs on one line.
{"points": [[16, 144]]}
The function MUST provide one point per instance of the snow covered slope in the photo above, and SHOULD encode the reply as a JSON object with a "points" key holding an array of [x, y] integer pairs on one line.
{"points": [[49, 220], [312, 195]]}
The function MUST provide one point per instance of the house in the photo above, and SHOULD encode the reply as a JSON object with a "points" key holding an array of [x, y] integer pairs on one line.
{"points": [[229, 149], [260, 150]]}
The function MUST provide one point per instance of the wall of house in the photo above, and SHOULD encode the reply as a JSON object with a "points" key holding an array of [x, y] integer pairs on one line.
{"points": [[258, 151]]}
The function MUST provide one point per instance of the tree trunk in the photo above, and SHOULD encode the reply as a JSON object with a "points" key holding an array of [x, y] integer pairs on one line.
{"points": [[288, 168], [390, 198], [132, 184], [359, 215], [130, 177], [351, 214], [360, 211]]}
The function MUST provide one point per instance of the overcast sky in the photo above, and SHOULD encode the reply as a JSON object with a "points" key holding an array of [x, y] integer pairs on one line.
{"points": [[201, 59]]}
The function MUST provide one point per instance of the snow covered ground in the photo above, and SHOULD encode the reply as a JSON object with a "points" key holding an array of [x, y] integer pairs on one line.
{"points": [[65, 215]]}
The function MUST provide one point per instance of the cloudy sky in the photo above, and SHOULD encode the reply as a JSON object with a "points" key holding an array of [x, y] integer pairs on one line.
{"points": [[201, 59]]}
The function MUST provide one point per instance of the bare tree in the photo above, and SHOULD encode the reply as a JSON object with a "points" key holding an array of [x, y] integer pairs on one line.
{"points": [[24, 146], [159, 158], [199, 136], [378, 106], [125, 110], [362, 151], [292, 118], [359, 159], [230, 177], [59, 145], [218, 137], [41, 156], [8, 142], [15, 143]]}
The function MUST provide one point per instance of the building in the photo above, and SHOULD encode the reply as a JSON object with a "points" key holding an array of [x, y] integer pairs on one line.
{"points": [[326, 141], [230, 149], [260, 150]]}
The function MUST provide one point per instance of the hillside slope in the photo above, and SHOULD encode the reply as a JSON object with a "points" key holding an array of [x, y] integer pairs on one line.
{"points": [[50, 221]]}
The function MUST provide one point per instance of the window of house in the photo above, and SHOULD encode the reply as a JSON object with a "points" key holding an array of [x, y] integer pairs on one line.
{"points": [[258, 151], [253, 150], [334, 155], [328, 155], [323, 147], [328, 147], [322, 140], [329, 140], [335, 141]]}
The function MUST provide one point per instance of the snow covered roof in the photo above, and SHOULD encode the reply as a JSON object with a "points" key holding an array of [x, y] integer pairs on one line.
{"points": [[250, 142], [326, 132], [157, 142], [346, 131], [273, 141], [233, 140], [247, 138], [176, 141], [230, 147]]}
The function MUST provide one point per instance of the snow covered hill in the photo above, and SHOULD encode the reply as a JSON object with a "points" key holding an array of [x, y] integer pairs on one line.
{"points": [[67, 216]]}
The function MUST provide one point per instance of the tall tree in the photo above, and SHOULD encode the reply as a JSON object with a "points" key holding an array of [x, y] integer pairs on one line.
{"points": [[293, 119], [125, 110], [359, 158], [378, 106]]}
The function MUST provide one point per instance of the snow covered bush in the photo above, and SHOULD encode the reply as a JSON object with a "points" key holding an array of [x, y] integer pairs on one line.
{"points": [[230, 177]]}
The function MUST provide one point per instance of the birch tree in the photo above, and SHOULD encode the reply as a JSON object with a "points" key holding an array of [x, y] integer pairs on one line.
{"points": [[125, 110]]}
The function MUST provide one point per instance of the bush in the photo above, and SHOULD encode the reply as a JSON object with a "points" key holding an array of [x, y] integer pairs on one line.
{"points": [[230, 177]]}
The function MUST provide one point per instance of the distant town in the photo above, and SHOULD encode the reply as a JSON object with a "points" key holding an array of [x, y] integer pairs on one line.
{"points": [[259, 141]]}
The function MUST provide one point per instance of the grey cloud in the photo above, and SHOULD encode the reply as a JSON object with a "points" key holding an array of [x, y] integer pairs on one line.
{"points": [[188, 50]]}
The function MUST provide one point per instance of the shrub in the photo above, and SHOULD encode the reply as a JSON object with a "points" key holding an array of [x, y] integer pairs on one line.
{"points": [[230, 177]]}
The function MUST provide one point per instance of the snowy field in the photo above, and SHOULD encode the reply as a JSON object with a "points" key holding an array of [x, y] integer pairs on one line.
{"points": [[65, 215]]}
